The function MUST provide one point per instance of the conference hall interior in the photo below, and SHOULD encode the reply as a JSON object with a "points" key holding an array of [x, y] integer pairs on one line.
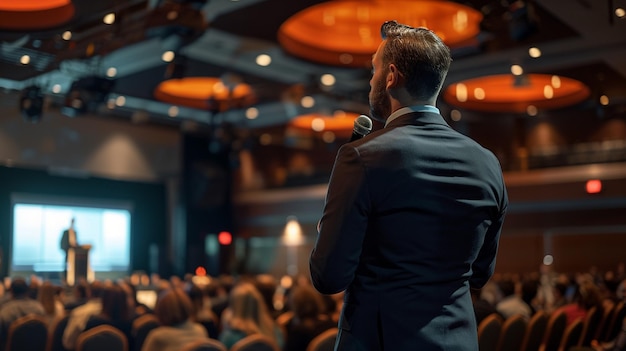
{"points": [[193, 140]]}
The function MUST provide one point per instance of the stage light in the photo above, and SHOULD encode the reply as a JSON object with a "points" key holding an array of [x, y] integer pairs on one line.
{"points": [[31, 104], [225, 238], [593, 186]]}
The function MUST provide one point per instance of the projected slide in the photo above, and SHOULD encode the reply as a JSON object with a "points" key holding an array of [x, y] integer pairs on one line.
{"points": [[37, 231]]}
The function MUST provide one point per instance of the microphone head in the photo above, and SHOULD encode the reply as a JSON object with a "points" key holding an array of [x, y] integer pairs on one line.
{"points": [[362, 125]]}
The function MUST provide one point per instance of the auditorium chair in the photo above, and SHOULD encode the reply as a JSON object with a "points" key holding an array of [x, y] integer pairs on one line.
{"points": [[324, 341], [29, 332], [102, 338], [255, 342]]}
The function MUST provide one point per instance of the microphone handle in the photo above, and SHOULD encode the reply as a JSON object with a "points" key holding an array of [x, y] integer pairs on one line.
{"points": [[356, 136]]}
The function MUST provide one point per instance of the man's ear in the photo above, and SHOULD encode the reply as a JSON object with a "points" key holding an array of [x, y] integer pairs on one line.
{"points": [[394, 77]]}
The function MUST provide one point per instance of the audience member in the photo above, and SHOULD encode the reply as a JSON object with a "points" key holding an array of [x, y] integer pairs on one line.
{"points": [[80, 315], [174, 312], [115, 312], [19, 305], [267, 285], [586, 296], [247, 314], [309, 319], [530, 289], [511, 303], [49, 298], [202, 312], [80, 295], [559, 292]]}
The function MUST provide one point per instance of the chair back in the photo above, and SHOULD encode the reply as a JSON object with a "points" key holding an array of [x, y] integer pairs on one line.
{"points": [[554, 331], [255, 342], [55, 334], [607, 313], [489, 331], [535, 331], [102, 338], [590, 326], [571, 335], [324, 341], [205, 345], [512, 335], [29, 332], [613, 328], [142, 325]]}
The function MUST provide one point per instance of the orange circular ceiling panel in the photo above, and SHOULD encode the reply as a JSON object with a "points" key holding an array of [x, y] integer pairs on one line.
{"points": [[508, 93], [203, 93], [347, 33], [35, 14], [341, 124]]}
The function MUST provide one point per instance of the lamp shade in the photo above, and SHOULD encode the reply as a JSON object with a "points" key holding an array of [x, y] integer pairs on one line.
{"points": [[347, 33], [34, 14], [509, 93], [203, 93], [341, 123]]}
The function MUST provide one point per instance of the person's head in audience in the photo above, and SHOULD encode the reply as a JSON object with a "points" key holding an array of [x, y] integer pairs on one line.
{"points": [[306, 303], [173, 307], [587, 295], [560, 293], [82, 290], [176, 282], [115, 303], [97, 289], [19, 288], [267, 285], [248, 311], [196, 295], [47, 296], [507, 287], [530, 287], [33, 287]]}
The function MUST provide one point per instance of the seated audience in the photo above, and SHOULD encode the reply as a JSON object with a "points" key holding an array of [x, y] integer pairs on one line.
{"points": [[49, 298], [175, 312], [511, 303], [586, 296], [79, 315], [309, 319], [247, 314], [267, 285], [80, 295], [18, 305], [115, 312], [202, 312]]}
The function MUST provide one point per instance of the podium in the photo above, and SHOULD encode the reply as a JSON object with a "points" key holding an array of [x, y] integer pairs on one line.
{"points": [[78, 266]]}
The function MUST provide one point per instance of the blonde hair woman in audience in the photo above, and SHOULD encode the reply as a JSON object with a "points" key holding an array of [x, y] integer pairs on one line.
{"points": [[247, 314], [174, 311]]}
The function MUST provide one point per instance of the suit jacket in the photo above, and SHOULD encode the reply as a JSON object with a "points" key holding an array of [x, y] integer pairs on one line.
{"points": [[65, 240], [412, 219]]}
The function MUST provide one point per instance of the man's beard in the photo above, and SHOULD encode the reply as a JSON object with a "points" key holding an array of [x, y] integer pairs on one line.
{"points": [[380, 103]]}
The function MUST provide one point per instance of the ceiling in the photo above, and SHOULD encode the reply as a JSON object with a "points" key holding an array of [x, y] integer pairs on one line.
{"points": [[580, 39]]}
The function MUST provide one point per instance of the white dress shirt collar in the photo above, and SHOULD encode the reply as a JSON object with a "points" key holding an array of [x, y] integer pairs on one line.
{"points": [[409, 109]]}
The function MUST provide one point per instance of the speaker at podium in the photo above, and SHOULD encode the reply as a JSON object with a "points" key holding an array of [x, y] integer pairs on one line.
{"points": [[78, 267]]}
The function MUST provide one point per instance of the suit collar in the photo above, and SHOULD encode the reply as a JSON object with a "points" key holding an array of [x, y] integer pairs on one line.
{"points": [[417, 118]]}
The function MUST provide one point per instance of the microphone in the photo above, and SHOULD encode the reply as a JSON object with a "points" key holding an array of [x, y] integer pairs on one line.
{"points": [[362, 127]]}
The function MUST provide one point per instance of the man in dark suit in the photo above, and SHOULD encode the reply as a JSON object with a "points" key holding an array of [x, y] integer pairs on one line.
{"points": [[68, 241], [413, 212]]}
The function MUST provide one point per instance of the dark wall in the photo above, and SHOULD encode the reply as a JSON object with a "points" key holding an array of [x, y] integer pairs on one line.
{"points": [[149, 218]]}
